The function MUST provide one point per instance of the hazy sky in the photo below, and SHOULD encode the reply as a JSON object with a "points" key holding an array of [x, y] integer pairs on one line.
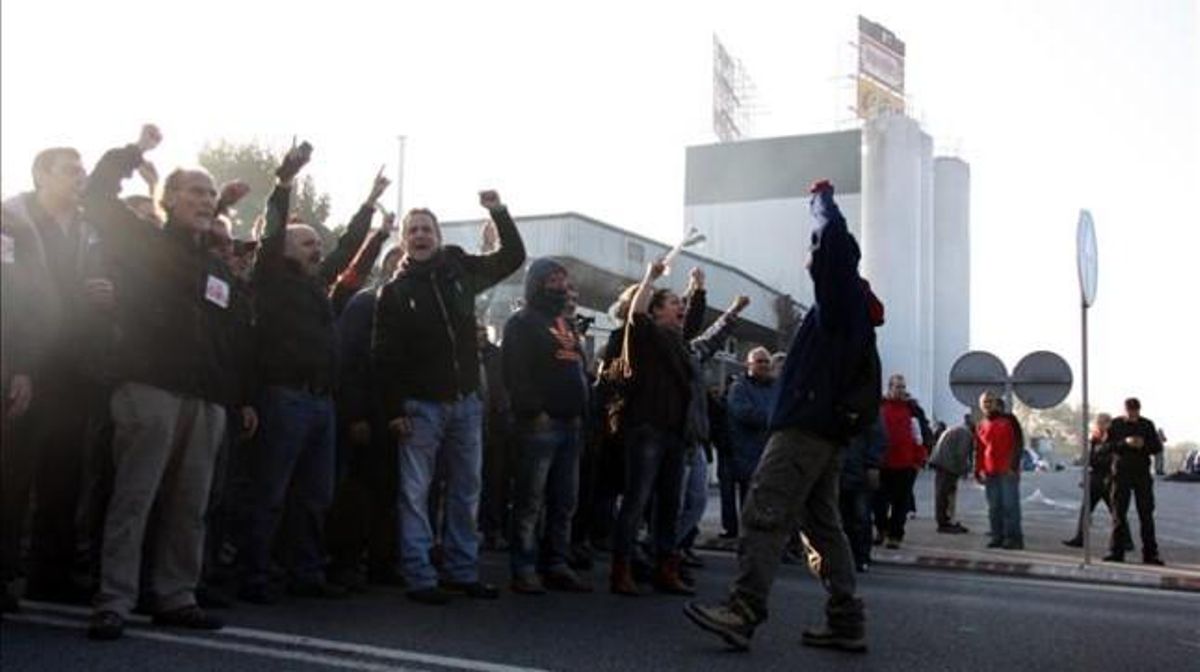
{"points": [[588, 107]]}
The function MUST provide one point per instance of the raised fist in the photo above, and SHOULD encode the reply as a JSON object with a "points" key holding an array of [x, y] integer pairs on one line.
{"points": [[150, 138], [296, 158], [656, 269], [232, 192], [490, 199], [696, 278]]}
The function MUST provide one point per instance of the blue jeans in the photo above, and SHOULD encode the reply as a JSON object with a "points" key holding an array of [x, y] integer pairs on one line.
{"points": [[1004, 507], [695, 495], [450, 433], [292, 464], [547, 481], [655, 467]]}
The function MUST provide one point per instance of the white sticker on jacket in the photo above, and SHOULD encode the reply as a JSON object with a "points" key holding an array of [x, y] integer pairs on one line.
{"points": [[217, 291], [8, 249]]}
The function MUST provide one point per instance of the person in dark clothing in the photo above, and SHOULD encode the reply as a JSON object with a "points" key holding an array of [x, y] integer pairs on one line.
{"points": [[718, 422], [1133, 440], [426, 358], [828, 391], [859, 478], [499, 458], [655, 418], [547, 386], [1100, 464], [169, 409], [45, 456], [951, 461], [296, 350], [749, 404], [362, 518]]}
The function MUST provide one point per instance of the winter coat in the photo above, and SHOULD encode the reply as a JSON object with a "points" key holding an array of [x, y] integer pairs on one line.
{"points": [[749, 403], [424, 344], [904, 449], [953, 451], [864, 452]]}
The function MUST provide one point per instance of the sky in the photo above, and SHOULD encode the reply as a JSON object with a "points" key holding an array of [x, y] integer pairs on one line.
{"points": [[587, 107]]}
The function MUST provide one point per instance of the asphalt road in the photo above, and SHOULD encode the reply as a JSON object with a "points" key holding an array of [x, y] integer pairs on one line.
{"points": [[916, 620]]}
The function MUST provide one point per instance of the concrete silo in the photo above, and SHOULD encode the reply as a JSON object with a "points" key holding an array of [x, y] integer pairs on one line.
{"points": [[952, 278]]}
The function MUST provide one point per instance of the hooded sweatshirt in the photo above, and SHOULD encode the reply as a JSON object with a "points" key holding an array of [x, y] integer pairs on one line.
{"points": [[542, 355]]}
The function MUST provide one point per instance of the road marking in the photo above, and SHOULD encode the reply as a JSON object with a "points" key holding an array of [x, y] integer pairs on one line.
{"points": [[233, 647], [316, 644]]}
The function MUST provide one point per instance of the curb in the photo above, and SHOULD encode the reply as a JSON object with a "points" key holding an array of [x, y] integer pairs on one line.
{"points": [[1030, 570]]}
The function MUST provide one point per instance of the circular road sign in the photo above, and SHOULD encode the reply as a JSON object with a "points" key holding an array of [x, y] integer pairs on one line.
{"points": [[1042, 379], [1086, 257], [975, 373]]}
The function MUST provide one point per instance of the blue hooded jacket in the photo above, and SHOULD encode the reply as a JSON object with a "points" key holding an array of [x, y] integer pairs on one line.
{"points": [[824, 357]]}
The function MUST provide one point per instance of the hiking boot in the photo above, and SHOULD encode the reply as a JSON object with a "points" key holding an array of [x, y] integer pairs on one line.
{"points": [[527, 585], [192, 618], [667, 579], [843, 629], [621, 581], [476, 590], [432, 596], [731, 621], [106, 626], [566, 582]]}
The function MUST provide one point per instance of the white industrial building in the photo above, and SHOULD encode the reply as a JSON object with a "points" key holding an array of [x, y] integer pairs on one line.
{"points": [[909, 210]]}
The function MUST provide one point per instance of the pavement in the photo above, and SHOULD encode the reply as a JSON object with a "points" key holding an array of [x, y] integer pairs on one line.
{"points": [[916, 619], [1050, 509]]}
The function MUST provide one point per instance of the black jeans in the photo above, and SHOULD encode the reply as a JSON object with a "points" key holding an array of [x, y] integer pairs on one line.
{"points": [[855, 507], [733, 494], [1133, 484], [892, 501]]}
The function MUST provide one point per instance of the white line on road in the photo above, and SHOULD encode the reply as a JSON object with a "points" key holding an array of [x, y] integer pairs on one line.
{"points": [[317, 644], [233, 647]]}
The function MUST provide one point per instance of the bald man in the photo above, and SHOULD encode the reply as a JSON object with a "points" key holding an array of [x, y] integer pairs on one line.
{"points": [[292, 468]]}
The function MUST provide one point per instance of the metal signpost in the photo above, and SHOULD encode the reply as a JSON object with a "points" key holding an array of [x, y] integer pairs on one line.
{"points": [[1086, 260]]}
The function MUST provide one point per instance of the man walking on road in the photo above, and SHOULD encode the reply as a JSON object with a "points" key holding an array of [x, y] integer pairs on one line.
{"points": [[1133, 440], [828, 391], [951, 459]]}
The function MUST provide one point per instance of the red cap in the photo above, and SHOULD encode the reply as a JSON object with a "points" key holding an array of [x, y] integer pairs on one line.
{"points": [[821, 185]]}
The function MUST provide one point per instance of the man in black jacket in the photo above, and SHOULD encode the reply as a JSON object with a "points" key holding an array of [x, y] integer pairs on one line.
{"points": [[168, 407], [427, 364], [1133, 440], [297, 366], [547, 386]]}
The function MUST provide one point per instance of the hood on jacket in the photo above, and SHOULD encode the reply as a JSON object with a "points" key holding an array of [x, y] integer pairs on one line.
{"points": [[535, 280]]}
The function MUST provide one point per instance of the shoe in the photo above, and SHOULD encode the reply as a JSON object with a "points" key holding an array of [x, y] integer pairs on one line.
{"points": [[566, 582], [207, 598], [728, 620], [322, 590], [843, 629], [1074, 542], [688, 558], [476, 590], [257, 595], [527, 585], [1153, 560], [106, 626], [1114, 557], [952, 529], [621, 581], [667, 579], [1014, 546], [192, 618], [995, 543], [432, 596], [961, 529], [892, 543]]}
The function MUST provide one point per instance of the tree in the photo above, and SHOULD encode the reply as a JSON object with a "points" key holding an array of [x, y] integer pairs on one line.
{"points": [[255, 165]]}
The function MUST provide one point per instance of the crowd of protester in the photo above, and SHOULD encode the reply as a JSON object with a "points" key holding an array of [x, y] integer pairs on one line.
{"points": [[190, 417]]}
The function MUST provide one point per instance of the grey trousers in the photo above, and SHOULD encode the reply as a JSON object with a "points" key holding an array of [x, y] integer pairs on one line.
{"points": [[945, 496], [164, 450], [796, 485]]}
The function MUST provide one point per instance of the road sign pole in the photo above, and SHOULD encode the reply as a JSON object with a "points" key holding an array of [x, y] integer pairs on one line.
{"points": [[1085, 507]]}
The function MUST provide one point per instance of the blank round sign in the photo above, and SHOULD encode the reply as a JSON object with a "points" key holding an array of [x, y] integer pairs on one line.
{"points": [[1086, 257]]}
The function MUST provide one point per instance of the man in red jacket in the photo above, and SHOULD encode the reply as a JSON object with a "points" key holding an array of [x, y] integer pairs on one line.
{"points": [[902, 459], [995, 467]]}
